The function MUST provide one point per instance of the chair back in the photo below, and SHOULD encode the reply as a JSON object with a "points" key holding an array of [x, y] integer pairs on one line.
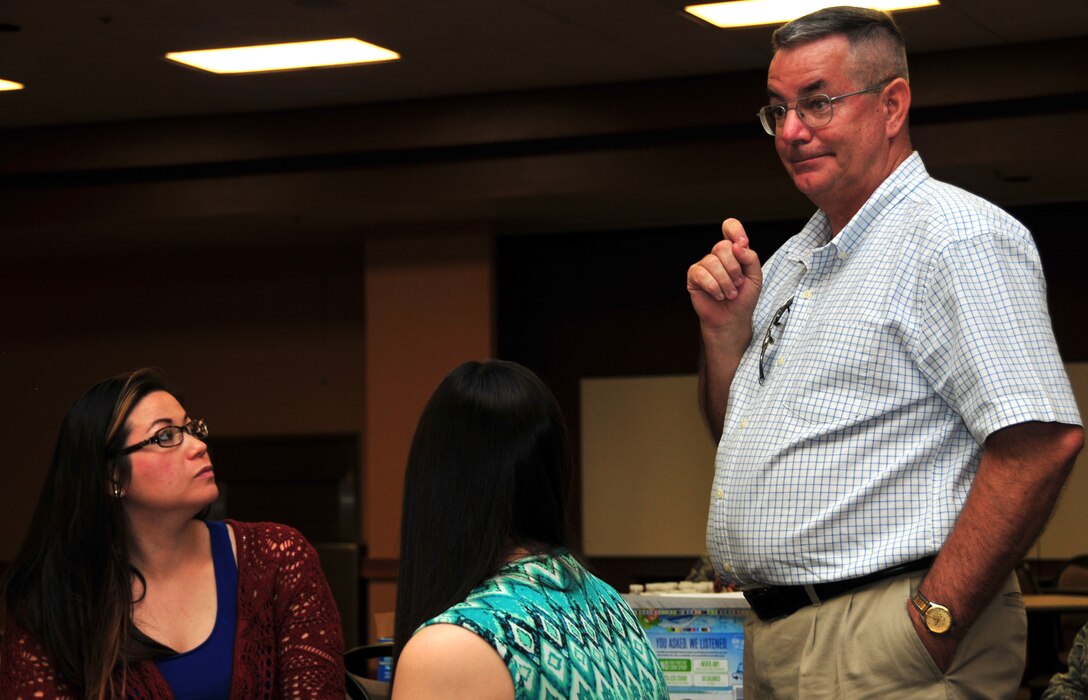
{"points": [[360, 686], [1072, 578]]}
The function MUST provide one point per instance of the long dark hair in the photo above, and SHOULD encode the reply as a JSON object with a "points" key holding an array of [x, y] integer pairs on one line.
{"points": [[70, 585], [488, 472]]}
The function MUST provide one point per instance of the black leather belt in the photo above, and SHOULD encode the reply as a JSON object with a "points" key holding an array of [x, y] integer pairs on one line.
{"points": [[771, 602]]}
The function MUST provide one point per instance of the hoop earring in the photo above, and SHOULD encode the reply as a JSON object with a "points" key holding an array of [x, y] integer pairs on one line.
{"points": [[117, 492]]}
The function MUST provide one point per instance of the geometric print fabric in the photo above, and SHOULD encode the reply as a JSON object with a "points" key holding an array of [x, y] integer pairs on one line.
{"points": [[562, 632]]}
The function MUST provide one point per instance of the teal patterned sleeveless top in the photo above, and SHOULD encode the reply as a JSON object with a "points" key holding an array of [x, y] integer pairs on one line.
{"points": [[562, 632]]}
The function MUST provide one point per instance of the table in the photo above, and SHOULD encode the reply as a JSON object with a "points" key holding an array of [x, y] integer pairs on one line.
{"points": [[1056, 602], [1044, 625]]}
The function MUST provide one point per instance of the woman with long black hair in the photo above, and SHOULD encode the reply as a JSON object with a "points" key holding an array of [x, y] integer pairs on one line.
{"points": [[490, 601], [122, 589]]}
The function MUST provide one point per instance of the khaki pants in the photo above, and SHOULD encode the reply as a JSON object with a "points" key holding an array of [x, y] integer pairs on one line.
{"points": [[862, 645]]}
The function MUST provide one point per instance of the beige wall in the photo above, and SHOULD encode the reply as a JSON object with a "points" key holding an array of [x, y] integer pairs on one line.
{"points": [[1066, 534], [644, 437]]}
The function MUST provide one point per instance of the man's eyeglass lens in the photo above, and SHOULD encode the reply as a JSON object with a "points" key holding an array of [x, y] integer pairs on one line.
{"points": [[814, 111]]}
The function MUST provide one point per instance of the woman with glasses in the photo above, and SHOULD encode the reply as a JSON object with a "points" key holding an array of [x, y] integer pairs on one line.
{"points": [[122, 589], [490, 602]]}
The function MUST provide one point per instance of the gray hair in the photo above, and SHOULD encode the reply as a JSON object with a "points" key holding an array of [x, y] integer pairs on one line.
{"points": [[876, 44]]}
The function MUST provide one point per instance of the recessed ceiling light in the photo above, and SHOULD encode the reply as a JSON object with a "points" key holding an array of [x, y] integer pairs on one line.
{"points": [[751, 13], [274, 57], [10, 85]]}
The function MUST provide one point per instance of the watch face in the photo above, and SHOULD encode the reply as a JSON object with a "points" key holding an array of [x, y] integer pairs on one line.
{"points": [[938, 619]]}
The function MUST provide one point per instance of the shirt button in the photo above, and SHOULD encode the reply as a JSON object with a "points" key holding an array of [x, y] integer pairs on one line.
{"points": [[727, 568], [807, 294], [842, 255], [719, 493], [744, 424], [780, 362]]}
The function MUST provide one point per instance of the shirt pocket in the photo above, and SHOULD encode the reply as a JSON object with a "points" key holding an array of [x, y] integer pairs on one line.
{"points": [[844, 374]]}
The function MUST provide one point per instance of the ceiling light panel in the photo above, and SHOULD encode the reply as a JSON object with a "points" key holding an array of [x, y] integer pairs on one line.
{"points": [[751, 13], [280, 57]]}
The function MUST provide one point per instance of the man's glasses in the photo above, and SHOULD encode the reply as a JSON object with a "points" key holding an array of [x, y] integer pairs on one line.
{"points": [[814, 111], [172, 435], [775, 326]]}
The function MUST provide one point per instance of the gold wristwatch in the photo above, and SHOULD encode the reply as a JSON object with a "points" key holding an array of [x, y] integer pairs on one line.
{"points": [[937, 618]]}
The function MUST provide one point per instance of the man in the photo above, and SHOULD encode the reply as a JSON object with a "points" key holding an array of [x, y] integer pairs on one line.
{"points": [[895, 423]]}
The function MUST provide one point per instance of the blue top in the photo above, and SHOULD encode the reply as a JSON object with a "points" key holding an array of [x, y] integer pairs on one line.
{"points": [[204, 673], [562, 632]]}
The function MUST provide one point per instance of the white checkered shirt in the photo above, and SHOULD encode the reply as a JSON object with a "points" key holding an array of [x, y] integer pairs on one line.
{"points": [[913, 335]]}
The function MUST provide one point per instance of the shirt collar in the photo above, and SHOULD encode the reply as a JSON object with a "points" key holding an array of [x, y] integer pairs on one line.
{"points": [[903, 180], [817, 232]]}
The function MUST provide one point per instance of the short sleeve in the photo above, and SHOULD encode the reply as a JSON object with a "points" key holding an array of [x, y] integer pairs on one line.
{"points": [[988, 348]]}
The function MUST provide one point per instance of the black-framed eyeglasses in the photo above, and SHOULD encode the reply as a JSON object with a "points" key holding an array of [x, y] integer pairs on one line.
{"points": [[814, 111], [172, 435], [776, 324]]}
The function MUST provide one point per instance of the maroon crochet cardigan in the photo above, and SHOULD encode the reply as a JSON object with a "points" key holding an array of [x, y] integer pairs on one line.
{"points": [[288, 642]]}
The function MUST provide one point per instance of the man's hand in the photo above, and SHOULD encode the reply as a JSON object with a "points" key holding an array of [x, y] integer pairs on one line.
{"points": [[724, 288], [1020, 475], [725, 285], [941, 647]]}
